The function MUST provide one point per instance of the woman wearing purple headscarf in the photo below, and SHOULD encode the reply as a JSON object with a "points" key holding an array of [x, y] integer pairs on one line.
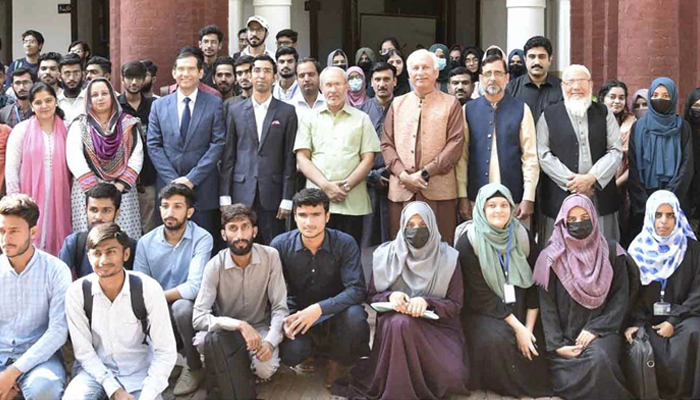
{"points": [[584, 297], [104, 145]]}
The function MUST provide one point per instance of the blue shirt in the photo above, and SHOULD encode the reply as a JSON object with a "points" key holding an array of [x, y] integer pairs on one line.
{"points": [[69, 251], [17, 64], [332, 277], [32, 313], [180, 266]]}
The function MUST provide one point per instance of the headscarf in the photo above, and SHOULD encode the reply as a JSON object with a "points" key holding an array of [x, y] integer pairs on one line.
{"points": [[402, 84], [492, 241], [426, 271], [461, 49], [643, 93], [477, 52], [365, 50], [692, 98], [445, 73], [658, 141], [55, 224], [658, 257], [356, 99], [494, 47], [582, 266], [109, 151], [329, 62], [521, 54]]}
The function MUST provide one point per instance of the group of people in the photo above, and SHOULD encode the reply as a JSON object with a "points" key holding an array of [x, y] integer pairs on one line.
{"points": [[522, 231]]}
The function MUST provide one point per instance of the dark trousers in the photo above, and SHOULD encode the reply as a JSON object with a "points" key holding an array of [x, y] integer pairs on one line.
{"points": [[181, 315], [350, 224], [343, 338], [268, 224]]}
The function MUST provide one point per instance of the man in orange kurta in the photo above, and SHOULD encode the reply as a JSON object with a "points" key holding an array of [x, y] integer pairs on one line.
{"points": [[422, 143]]}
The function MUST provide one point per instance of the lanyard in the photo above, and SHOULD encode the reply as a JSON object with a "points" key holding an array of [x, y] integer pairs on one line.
{"points": [[18, 114], [505, 260], [663, 287]]}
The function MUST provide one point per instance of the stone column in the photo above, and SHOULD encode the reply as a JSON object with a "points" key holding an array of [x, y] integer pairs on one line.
{"points": [[525, 20], [235, 24], [278, 14]]}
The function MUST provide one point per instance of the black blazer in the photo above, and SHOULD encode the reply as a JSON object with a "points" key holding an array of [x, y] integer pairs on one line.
{"points": [[268, 165]]}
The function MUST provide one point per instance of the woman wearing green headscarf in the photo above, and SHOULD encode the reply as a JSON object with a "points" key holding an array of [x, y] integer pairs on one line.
{"points": [[500, 314], [442, 53]]}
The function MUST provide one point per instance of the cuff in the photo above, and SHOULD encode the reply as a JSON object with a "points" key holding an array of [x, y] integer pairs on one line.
{"points": [[185, 292], [148, 393], [327, 307], [674, 320], [224, 201], [111, 385], [286, 205], [431, 167], [529, 192], [23, 365], [461, 190], [88, 180], [274, 338]]}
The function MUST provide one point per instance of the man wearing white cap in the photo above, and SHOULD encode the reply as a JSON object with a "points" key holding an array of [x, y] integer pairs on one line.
{"points": [[258, 29]]}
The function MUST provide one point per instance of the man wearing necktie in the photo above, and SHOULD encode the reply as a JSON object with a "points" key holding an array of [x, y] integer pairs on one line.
{"points": [[186, 135]]}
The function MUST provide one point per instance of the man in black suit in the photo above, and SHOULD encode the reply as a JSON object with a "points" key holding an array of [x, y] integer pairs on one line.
{"points": [[258, 163]]}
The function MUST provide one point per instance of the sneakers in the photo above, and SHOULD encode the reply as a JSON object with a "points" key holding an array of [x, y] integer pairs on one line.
{"points": [[188, 382]]}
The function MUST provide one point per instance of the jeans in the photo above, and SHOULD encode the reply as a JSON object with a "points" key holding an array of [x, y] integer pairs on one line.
{"points": [[84, 387], [46, 381]]}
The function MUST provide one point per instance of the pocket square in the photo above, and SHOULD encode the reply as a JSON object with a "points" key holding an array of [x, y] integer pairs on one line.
{"points": [[275, 122]]}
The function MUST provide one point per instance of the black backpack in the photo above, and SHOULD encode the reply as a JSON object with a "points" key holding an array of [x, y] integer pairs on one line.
{"points": [[137, 303]]}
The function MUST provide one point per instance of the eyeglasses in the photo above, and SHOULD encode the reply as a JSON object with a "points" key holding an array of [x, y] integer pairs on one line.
{"points": [[284, 43], [70, 74], [23, 83], [30, 41], [573, 82], [494, 74]]}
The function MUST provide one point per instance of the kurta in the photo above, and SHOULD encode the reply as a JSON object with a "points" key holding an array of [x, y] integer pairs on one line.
{"points": [[677, 358], [414, 358], [496, 362], [596, 372], [603, 169]]}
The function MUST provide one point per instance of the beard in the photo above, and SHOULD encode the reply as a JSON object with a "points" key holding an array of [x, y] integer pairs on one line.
{"points": [[176, 225], [493, 90], [233, 246], [577, 107], [72, 92], [286, 75]]}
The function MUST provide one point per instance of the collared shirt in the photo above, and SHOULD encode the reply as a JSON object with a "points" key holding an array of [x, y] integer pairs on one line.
{"points": [[181, 104], [530, 163], [536, 97], [112, 349], [255, 294], [180, 266], [302, 107], [336, 143], [246, 52], [148, 175], [604, 169], [260, 111], [14, 114], [285, 95], [32, 312], [68, 250], [332, 277], [73, 107]]}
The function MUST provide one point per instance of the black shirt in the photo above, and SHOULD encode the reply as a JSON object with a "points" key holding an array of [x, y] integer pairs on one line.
{"points": [[333, 277], [537, 98], [148, 174]]}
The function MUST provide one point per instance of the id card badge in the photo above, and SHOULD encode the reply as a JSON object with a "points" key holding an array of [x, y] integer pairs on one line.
{"points": [[662, 309], [509, 293]]}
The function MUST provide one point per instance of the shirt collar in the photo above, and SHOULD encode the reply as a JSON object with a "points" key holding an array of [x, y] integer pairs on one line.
{"points": [[324, 108], [326, 245], [264, 105], [186, 236], [192, 96], [254, 260], [97, 289], [299, 99], [6, 262], [549, 81]]}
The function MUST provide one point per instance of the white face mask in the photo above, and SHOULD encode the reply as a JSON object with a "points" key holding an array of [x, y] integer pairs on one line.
{"points": [[355, 84]]}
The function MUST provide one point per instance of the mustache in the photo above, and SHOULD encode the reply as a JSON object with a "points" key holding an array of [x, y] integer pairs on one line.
{"points": [[536, 66]]}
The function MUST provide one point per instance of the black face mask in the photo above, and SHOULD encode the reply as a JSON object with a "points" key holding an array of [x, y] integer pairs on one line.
{"points": [[581, 229], [664, 106], [342, 66], [417, 237], [365, 65], [454, 64], [516, 70], [695, 113]]}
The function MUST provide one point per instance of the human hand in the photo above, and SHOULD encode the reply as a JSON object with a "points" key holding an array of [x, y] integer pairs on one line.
{"points": [[122, 394], [335, 192], [526, 342], [664, 329], [570, 351], [465, 208], [585, 338], [525, 209], [417, 306], [399, 302], [120, 186], [413, 182], [301, 321], [183, 180], [580, 183], [630, 333], [283, 214], [252, 337], [265, 352], [8, 383]]}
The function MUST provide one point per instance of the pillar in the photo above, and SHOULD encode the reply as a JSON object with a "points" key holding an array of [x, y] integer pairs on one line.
{"points": [[235, 24], [278, 14], [157, 30], [525, 20], [562, 58]]}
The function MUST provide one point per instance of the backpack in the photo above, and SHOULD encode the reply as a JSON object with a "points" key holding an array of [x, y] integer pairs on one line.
{"points": [[79, 251], [138, 304]]}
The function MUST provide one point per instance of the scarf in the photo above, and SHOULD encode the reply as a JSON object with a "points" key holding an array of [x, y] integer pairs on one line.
{"points": [[442, 79], [426, 271], [643, 93], [365, 50], [521, 54], [658, 257], [477, 52], [356, 99], [500, 52], [55, 214], [402, 84], [658, 140], [492, 242], [108, 151], [329, 61], [582, 266]]}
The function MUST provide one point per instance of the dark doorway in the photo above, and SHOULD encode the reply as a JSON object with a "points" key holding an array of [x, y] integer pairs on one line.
{"points": [[90, 23]]}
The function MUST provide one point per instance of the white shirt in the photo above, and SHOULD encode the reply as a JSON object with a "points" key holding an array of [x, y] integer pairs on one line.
{"points": [[112, 351], [260, 110], [302, 107], [285, 95], [246, 52], [181, 104], [72, 107]]}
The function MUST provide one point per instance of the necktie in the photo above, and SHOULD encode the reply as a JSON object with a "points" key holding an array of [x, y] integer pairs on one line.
{"points": [[186, 116]]}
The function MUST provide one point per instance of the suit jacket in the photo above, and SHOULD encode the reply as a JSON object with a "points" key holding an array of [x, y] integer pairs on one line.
{"points": [[267, 165], [197, 156]]}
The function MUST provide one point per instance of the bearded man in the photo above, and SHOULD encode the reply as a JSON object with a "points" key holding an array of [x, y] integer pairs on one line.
{"points": [[579, 148]]}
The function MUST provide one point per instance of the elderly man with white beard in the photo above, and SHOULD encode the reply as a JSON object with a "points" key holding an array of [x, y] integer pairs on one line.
{"points": [[579, 148]]}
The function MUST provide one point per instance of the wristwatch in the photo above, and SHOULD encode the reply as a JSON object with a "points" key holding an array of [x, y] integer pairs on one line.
{"points": [[425, 174]]}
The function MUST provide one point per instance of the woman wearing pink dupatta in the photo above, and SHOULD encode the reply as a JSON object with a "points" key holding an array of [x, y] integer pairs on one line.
{"points": [[36, 166]]}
